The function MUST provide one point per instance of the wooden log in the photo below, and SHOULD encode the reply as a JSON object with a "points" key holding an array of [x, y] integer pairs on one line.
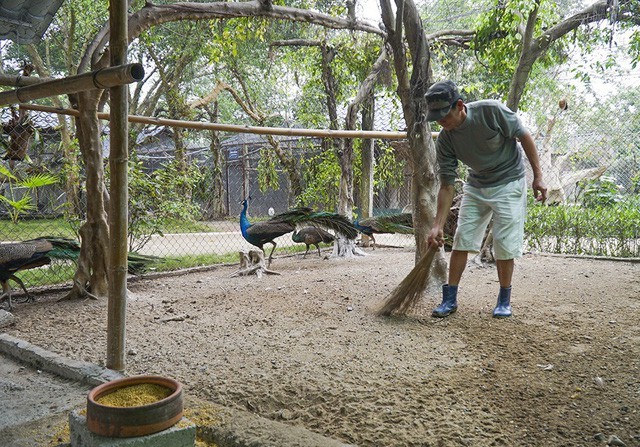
{"points": [[252, 263], [99, 79]]}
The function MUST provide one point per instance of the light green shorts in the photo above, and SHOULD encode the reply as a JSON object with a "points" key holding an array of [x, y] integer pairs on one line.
{"points": [[507, 205]]}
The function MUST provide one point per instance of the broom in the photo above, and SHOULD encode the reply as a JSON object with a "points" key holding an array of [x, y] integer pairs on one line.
{"points": [[406, 295]]}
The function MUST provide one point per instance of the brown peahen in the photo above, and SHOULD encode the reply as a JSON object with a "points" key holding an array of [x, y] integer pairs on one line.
{"points": [[261, 233], [16, 256], [312, 236], [33, 253]]}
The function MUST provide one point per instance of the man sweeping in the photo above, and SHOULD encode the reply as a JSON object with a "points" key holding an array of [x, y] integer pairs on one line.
{"points": [[483, 135]]}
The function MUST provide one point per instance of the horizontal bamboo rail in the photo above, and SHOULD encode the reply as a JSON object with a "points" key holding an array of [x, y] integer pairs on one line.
{"points": [[236, 128], [21, 81], [99, 79]]}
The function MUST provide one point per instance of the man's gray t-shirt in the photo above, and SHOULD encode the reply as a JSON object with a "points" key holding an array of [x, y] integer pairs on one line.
{"points": [[486, 143]]}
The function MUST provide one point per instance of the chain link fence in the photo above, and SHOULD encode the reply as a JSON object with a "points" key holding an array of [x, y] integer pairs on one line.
{"points": [[185, 202]]}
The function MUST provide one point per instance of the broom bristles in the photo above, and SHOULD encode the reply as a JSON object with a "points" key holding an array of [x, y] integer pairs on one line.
{"points": [[407, 294]]}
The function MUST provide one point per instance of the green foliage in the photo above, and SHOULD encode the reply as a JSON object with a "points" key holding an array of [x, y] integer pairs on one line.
{"points": [[389, 170], [600, 193], [604, 231], [634, 49], [157, 198], [321, 174], [498, 42], [267, 173], [20, 192]]}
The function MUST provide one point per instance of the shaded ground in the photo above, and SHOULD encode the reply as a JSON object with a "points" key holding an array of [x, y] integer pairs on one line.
{"points": [[29, 395], [305, 348]]}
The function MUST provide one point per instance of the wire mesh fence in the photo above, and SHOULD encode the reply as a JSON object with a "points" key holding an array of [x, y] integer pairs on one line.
{"points": [[186, 186]]}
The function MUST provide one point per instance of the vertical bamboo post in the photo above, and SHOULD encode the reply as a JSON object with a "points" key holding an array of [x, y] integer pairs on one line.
{"points": [[368, 163], [118, 162]]}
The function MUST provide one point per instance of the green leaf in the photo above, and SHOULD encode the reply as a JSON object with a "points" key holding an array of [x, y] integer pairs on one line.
{"points": [[38, 180]]}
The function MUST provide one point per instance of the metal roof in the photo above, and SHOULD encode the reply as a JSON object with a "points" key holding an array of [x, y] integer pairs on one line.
{"points": [[25, 21]]}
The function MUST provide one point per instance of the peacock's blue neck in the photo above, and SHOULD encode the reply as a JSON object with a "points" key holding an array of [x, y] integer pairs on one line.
{"points": [[244, 222]]}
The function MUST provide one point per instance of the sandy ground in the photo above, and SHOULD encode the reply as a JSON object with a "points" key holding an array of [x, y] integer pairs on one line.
{"points": [[305, 348]]}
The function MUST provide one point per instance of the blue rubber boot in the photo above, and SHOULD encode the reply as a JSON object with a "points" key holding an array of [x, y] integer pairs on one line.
{"points": [[503, 308], [449, 302]]}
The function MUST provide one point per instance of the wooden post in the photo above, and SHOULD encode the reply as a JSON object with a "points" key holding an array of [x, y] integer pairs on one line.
{"points": [[368, 164], [118, 163], [104, 78]]}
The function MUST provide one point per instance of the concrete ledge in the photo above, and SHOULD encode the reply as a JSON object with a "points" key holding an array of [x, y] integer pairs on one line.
{"points": [[79, 371], [237, 428], [182, 434]]}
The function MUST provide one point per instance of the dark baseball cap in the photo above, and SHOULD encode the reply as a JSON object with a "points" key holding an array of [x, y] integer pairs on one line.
{"points": [[441, 97]]}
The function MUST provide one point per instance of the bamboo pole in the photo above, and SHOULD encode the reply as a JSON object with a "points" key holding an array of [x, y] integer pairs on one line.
{"points": [[320, 133], [21, 81], [99, 79], [118, 203]]}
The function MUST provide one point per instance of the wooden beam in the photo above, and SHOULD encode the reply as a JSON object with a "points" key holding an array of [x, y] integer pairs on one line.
{"points": [[198, 125], [99, 79]]}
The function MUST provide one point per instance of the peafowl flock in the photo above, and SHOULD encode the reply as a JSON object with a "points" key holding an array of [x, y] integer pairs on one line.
{"points": [[31, 254], [261, 233], [312, 236], [389, 223]]}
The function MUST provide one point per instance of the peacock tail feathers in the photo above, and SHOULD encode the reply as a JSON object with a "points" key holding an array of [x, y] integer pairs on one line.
{"points": [[61, 248], [389, 223], [336, 222], [306, 216], [138, 263]]}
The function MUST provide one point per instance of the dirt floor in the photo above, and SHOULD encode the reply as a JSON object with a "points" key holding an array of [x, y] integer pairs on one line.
{"points": [[305, 348]]}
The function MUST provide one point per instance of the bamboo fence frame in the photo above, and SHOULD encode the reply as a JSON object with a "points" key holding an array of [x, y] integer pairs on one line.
{"points": [[198, 125], [118, 205], [100, 79]]}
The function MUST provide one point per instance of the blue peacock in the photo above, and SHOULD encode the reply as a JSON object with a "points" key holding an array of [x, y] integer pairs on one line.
{"points": [[261, 233]]}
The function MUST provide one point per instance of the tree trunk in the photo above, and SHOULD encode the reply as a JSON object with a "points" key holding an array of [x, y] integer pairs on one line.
{"points": [[91, 276], [215, 205], [288, 163], [422, 156], [252, 262]]}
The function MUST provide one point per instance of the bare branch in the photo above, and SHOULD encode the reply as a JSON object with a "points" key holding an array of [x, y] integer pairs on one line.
{"points": [[365, 88], [296, 43], [450, 33], [594, 13]]}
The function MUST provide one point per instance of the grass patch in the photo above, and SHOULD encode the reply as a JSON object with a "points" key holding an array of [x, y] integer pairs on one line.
{"points": [[33, 228]]}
